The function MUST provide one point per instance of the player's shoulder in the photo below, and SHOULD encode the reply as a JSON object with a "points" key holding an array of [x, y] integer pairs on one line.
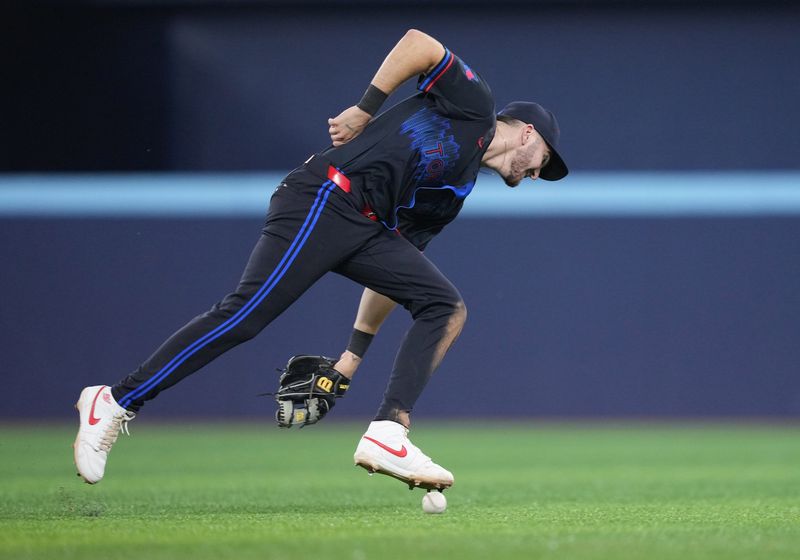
{"points": [[459, 89]]}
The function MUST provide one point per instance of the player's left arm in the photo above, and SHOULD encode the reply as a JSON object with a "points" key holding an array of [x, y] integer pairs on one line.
{"points": [[310, 385], [416, 53]]}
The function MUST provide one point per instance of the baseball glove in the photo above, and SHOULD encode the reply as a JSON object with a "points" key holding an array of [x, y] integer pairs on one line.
{"points": [[309, 387]]}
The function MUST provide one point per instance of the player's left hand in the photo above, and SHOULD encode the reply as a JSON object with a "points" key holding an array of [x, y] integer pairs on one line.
{"points": [[347, 125], [309, 387]]}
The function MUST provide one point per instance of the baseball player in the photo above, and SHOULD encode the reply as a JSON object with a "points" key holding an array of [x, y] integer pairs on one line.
{"points": [[366, 207]]}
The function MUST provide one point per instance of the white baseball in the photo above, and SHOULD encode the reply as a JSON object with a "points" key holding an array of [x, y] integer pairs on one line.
{"points": [[434, 502]]}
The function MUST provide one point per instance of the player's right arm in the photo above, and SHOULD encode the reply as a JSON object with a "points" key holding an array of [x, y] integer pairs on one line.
{"points": [[372, 312], [416, 53]]}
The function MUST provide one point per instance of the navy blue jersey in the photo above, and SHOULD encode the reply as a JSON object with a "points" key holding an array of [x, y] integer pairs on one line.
{"points": [[417, 162]]}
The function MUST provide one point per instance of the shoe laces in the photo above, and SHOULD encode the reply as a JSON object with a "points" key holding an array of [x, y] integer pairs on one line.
{"points": [[119, 422]]}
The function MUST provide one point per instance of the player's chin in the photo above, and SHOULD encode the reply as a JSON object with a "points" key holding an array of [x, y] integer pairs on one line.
{"points": [[512, 181]]}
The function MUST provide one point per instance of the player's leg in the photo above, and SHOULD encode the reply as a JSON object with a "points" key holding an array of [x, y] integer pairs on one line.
{"points": [[393, 267], [302, 239], [292, 253]]}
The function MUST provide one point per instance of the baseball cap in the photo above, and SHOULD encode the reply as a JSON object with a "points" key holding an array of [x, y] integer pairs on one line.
{"points": [[546, 125]]}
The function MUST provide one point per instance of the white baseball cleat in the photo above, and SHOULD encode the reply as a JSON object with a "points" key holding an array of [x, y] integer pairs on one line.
{"points": [[386, 449], [101, 421]]}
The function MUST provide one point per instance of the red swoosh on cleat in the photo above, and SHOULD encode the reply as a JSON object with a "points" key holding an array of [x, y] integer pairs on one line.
{"points": [[402, 452], [92, 419]]}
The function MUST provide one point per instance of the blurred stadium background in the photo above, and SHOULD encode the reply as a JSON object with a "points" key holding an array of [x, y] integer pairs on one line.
{"points": [[140, 141]]}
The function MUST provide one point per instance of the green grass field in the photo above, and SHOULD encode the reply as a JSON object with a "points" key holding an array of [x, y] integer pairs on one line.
{"points": [[200, 491]]}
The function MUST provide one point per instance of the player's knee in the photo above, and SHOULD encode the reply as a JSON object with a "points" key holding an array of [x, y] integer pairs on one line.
{"points": [[447, 305], [458, 315], [453, 309]]}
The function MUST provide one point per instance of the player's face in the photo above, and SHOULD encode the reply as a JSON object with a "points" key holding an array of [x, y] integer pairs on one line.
{"points": [[528, 160]]}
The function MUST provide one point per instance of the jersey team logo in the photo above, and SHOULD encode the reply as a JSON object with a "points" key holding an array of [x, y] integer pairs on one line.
{"points": [[469, 73], [432, 137]]}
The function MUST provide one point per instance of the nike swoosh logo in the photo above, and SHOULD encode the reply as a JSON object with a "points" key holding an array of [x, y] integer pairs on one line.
{"points": [[402, 452], [92, 419]]}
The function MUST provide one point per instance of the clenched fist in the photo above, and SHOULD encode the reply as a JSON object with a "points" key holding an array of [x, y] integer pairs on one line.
{"points": [[347, 125]]}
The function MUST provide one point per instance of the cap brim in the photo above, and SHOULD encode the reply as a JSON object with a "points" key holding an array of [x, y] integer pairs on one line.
{"points": [[555, 169]]}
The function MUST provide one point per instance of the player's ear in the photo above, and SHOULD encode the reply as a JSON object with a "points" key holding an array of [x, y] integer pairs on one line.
{"points": [[527, 133]]}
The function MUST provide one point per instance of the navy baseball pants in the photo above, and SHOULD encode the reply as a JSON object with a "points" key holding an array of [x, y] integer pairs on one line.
{"points": [[313, 227]]}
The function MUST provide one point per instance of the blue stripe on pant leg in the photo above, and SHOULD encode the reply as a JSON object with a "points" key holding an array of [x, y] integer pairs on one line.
{"points": [[280, 270], [266, 288]]}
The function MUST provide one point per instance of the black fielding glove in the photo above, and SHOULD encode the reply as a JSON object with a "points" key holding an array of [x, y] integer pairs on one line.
{"points": [[309, 387]]}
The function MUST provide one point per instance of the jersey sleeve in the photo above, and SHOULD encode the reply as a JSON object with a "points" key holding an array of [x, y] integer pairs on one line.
{"points": [[457, 89]]}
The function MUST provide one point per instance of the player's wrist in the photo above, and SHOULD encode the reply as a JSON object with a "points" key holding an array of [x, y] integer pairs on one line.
{"points": [[359, 343], [372, 100], [348, 364]]}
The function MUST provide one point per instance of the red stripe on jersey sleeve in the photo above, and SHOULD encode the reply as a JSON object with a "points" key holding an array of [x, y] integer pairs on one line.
{"points": [[450, 63]]}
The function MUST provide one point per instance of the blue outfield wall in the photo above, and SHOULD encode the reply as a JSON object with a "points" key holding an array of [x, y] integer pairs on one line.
{"points": [[610, 295]]}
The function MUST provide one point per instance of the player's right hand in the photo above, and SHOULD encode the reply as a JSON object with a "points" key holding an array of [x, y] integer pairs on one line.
{"points": [[347, 125], [309, 387]]}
